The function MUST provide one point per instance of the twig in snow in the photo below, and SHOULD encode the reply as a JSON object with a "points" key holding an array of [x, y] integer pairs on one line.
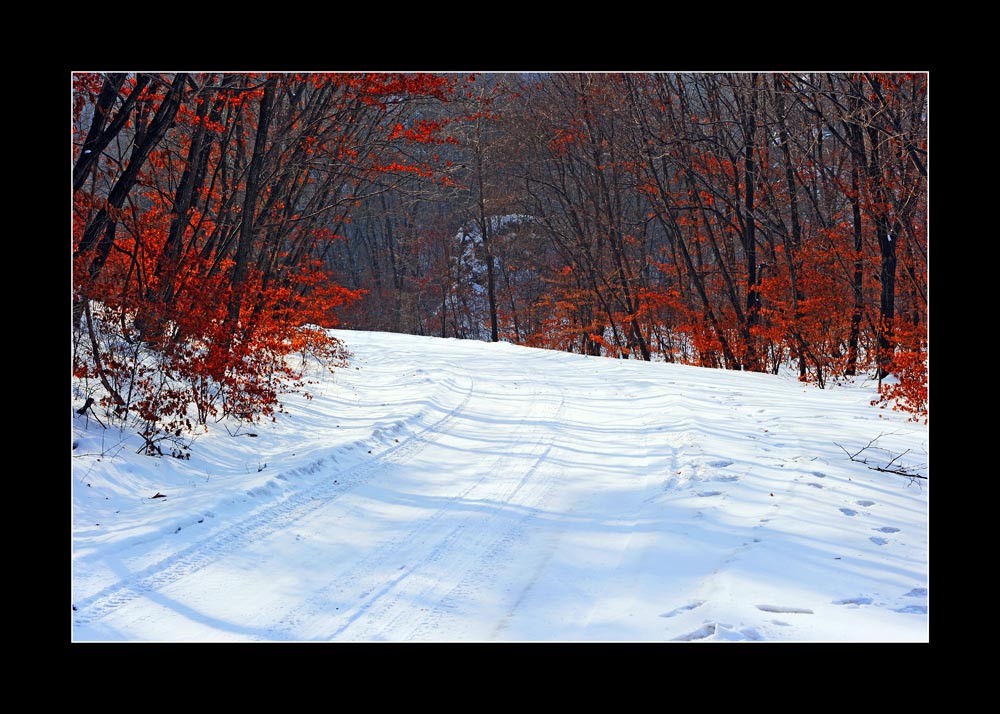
{"points": [[888, 468], [237, 432]]}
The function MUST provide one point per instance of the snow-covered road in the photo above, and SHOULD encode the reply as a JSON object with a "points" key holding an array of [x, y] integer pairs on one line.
{"points": [[449, 490]]}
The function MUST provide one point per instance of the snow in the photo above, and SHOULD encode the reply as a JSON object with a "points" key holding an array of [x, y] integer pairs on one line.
{"points": [[497, 224], [470, 269], [445, 490]]}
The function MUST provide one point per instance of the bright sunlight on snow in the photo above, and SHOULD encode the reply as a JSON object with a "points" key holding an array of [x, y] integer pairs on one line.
{"points": [[445, 490]]}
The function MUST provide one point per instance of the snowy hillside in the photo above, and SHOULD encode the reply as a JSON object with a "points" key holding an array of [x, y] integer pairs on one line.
{"points": [[442, 490]]}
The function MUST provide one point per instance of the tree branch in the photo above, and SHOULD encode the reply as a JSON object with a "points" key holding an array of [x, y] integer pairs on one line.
{"points": [[888, 468]]}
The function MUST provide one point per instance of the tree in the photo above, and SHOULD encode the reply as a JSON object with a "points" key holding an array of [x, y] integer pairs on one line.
{"points": [[741, 220], [212, 207]]}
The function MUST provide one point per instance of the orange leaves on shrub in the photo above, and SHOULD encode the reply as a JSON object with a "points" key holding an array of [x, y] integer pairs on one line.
{"points": [[906, 390], [204, 296]]}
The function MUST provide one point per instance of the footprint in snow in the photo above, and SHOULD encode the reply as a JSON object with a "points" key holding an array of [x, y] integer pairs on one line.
{"points": [[816, 485], [917, 592], [912, 609], [703, 494], [720, 631], [848, 511], [784, 609], [745, 633], [886, 529], [683, 608], [855, 601], [878, 540], [703, 632], [865, 503], [817, 474], [727, 479], [719, 464]]}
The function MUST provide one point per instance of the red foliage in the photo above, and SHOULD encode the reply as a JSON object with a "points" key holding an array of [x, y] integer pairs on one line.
{"points": [[827, 201], [906, 389], [185, 315]]}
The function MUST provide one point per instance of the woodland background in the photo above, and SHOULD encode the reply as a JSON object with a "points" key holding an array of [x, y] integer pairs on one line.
{"points": [[749, 221]]}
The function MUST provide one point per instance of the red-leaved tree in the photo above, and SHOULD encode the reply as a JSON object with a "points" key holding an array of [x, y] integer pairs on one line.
{"points": [[204, 206]]}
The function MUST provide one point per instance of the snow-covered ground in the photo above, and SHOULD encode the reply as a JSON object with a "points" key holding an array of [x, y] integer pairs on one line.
{"points": [[446, 490]]}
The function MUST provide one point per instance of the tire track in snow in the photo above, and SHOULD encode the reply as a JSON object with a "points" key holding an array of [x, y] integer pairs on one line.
{"points": [[631, 520], [532, 492], [347, 583], [260, 524], [469, 549], [484, 570]]}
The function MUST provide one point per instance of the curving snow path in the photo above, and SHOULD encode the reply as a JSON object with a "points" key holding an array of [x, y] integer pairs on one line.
{"points": [[445, 490]]}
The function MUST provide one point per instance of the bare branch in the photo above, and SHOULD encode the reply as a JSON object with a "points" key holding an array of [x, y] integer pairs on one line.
{"points": [[909, 472]]}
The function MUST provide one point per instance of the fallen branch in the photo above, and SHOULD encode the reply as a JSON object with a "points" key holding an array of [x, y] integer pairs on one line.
{"points": [[237, 433], [888, 468]]}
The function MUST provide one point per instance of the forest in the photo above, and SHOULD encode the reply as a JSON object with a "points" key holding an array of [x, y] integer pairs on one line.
{"points": [[744, 221]]}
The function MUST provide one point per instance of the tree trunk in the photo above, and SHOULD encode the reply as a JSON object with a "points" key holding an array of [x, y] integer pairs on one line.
{"points": [[857, 280], [887, 254], [166, 265], [486, 234], [749, 121], [244, 246], [99, 137], [887, 302], [99, 235], [795, 240]]}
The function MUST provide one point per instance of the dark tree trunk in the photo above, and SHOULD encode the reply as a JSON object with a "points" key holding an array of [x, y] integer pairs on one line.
{"points": [[887, 254], [857, 278], [244, 246], [749, 121], [190, 182], [101, 133], [116, 198], [795, 241], [99, 235], [486, 234], [887, 303]]}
